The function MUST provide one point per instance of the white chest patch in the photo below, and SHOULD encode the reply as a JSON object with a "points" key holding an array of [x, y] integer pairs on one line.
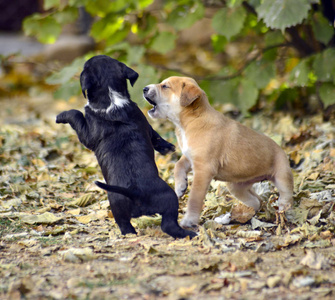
{"points": [[184, 146], [117, 101]]}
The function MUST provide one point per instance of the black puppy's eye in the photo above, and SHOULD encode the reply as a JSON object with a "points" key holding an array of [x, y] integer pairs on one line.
{"points": [[164, 86]]}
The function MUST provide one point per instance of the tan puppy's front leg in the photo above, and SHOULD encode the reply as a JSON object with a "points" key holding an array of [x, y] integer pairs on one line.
{"points": [[195, 202], [182, 167]]}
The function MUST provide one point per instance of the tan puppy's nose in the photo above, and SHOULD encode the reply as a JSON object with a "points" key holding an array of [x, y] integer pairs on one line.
{"points": [[145, 90]]}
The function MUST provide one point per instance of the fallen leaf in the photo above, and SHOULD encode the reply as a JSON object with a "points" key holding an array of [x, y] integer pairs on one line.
{"points": [[83, 201], [313, 176], [242, 213], [28, 243], [45, 218], [77, 254], [185, 292], [273, 281], [315, 261], [291, 239], [74, 212], [255, 223], [248, 234]]}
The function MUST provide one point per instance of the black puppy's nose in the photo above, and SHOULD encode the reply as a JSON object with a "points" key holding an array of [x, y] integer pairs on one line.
{"points": [[145, 90]]}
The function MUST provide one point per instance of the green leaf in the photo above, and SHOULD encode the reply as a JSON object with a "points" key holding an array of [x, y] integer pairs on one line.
{"points": [[148, 75], [135, 54], [246, 95], [324, 65], [146, 24], [79, 3], [240, 92], [101, 8], [261, 72], [47, 4], [229, 21], [299, 74], [322, 29], [281, 14], [109, 28], [274, 38], [67, 15], [163, 42], [67, 72], [68, 90], [234, 3], [143, 3], [287, 95], [118, 36], [254, 3], [185, 16], [327, 94], [218, 42], [45, 29]]}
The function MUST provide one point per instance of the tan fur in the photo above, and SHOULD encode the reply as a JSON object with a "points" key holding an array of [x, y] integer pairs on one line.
{"points": [[216, 147]]}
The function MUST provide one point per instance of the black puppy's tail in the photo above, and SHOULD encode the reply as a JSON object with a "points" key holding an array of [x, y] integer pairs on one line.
{"points": [[116, 189]]}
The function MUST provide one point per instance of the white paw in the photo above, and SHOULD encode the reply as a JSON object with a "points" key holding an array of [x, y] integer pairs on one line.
{"points": [[180, 189], [189, 221]]}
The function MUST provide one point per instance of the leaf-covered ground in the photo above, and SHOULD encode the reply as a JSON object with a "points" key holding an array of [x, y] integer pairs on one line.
{"points": [[58, 239]]}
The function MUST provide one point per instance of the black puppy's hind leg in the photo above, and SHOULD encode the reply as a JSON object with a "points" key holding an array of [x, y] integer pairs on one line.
{"points": [[170, 226], [121, 213]]}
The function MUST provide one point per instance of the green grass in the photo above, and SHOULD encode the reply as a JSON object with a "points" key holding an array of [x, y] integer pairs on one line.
{"points": [[8, 226]]}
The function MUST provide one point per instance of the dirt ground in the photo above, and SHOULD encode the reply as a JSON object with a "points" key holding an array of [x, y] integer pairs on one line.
{"points": [[58, 239]]}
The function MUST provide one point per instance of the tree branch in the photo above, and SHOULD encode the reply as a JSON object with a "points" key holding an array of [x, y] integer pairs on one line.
{"points": [[227, 77]]}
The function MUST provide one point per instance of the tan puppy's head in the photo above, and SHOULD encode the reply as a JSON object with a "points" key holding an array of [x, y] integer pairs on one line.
{"points": [[171, 96]]}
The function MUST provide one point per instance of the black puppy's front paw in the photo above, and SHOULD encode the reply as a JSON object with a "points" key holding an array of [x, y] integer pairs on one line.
{"points": [[165, 147], [62, 118], [69, 116]]}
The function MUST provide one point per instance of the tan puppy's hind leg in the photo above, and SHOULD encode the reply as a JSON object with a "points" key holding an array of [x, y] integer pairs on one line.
{"points": [[195, 202], [244, 193], [284, 184], [182, 167]]}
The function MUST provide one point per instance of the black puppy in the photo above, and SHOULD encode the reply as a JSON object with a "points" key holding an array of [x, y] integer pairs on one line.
{"points": [[123, 142]]}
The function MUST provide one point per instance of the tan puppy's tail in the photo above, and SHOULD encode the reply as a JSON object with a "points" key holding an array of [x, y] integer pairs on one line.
{"points": [[117, 189]]}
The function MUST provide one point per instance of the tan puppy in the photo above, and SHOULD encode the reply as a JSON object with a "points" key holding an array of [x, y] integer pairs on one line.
{"points": [[216, 147]]}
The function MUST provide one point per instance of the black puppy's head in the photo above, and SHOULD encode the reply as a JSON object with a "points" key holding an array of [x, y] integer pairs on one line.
{"points": [[103, 75]]}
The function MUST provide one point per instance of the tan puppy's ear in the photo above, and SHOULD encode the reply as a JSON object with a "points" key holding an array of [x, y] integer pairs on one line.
{"points": [[189, 93]]}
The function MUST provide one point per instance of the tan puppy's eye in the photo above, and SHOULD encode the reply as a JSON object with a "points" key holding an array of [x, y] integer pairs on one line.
{"points": [[164, 86]]}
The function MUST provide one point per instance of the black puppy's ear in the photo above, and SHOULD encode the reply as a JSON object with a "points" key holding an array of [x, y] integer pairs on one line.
{"points": [[87, 81], [131, 75]]}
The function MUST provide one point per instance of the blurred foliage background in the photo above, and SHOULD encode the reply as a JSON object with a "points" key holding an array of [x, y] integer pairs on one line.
{"points": [[254, 54]]}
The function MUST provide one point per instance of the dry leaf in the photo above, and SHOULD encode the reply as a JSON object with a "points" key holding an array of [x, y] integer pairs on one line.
{"points": [[83, 201], [46, 218], [77, 254], [185, 292], [255, 223], [74, 212], [249, 233], [242, 213], [315, 261]]}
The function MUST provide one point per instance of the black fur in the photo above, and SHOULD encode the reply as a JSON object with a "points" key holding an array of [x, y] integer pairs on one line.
{"points": [[123, 142]]}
